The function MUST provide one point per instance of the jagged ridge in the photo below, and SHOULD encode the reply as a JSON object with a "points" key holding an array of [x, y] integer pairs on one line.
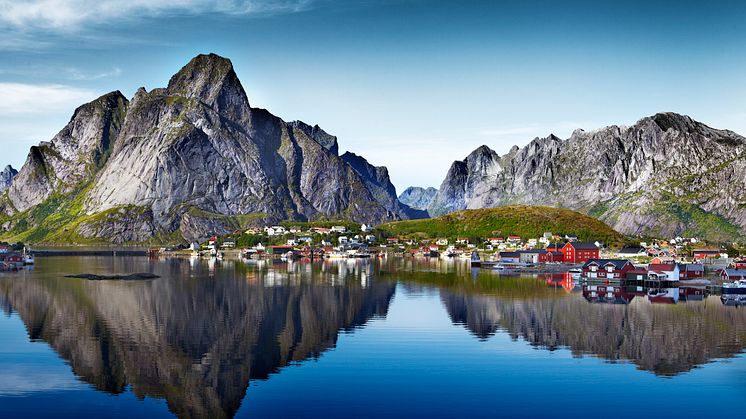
{"points": [[191, 160], [666, 175]]}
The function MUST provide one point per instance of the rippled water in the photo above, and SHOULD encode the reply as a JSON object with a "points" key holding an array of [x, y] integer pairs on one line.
{"points": [[399, 337]]}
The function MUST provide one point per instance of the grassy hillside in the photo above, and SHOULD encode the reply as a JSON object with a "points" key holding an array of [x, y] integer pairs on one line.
{"points": [[519, 220]]}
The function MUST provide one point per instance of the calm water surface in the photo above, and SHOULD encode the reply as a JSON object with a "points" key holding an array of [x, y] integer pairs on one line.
{"points": [[354, 339]]}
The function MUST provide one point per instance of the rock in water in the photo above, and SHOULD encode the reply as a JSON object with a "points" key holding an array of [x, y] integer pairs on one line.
{"points": [[130, 277]]}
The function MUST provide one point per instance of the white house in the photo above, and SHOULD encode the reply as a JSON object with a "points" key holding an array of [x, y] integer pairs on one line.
{"points": [[365, 228], [343, 240], [442, 242], [338, 229], [370, 238], [275, 231], [664, 272]]}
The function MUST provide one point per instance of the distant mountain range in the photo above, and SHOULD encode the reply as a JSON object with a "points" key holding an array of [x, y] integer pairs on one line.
{"points": [[195, 159], [185, 162], [664, 176]]}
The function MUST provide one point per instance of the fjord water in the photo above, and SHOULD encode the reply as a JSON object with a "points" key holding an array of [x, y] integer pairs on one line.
{"points": [[398, 337]]}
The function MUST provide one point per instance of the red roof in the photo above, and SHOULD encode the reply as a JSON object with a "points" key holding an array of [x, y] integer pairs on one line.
{"points": [[662, 267]]}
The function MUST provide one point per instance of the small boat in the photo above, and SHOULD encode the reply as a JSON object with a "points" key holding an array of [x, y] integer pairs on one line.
{"points": [[450, 252], [736, 287], [28, 257]]}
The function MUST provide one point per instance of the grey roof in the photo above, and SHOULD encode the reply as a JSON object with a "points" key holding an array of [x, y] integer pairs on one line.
{"points": [[618, 263], [584, 245], [509, 254], [735, 272], [691, 267]]}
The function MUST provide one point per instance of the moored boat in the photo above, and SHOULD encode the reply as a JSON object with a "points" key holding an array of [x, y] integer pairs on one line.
{"points": [[476, 262], [735, 287]]}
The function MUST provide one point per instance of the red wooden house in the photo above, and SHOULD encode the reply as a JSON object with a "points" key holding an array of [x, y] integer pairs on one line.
{"points": [[706, 254], [691, 270], [614, 269], [579, 252]]}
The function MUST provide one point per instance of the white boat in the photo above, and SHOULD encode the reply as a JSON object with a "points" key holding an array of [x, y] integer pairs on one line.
{"points": [[449, 252], [735, 287], [28, 257]]}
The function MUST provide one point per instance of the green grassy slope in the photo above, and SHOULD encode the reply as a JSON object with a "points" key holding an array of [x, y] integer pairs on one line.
{"points": [[519, 220]]}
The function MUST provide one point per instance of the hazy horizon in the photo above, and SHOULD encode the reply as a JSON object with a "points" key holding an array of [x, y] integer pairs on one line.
{"points": [[411, 85]]}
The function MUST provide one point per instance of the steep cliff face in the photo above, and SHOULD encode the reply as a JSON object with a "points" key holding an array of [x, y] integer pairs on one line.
{"points": [[74, 155], [666, 175], [196, 159], [377, 181], [418, 197], [6, 177]]}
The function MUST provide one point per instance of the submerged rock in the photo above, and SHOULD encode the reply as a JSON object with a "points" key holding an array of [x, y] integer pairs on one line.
{"points": [[130, 277]]}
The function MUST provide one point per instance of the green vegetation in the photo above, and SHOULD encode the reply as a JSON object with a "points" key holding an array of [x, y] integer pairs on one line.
{"points": [[519, 220], [305, 225]]}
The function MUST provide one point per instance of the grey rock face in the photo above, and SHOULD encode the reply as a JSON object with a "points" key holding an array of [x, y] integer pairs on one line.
{"points": [[73, 156], [195, 157], [6, 177], [418, 197], [665, 175]]}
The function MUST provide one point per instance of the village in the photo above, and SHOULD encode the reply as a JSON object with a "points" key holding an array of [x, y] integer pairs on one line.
{"points": [[656, 262]]}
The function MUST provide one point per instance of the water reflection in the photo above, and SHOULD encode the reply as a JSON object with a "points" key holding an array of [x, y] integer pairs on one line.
{"points": [[199, 335]]}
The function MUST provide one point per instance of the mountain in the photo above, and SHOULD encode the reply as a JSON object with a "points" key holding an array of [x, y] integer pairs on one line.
{"points": [[666, 175], [379, 184], [519, 220], [6, 177], [417, 197], [185, 162]]}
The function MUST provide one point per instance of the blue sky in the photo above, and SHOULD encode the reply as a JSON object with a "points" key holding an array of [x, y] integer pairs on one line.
{"points": [[409, 84]]}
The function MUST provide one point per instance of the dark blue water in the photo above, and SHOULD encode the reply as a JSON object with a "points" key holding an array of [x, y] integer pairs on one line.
{"points": [[360, 339]]}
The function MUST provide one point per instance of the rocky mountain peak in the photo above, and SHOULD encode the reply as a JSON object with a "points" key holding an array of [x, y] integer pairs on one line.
{"points": [[664, 176], [6, 177], [417, 197], [326, 140], [671, 120], [210, 79]]}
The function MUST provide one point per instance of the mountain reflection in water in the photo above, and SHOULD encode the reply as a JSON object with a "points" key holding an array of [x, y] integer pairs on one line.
{"points": [[201, 333], [190, 338]]}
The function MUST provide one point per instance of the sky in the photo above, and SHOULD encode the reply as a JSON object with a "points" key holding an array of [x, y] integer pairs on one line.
{"points": [[411, 84]]}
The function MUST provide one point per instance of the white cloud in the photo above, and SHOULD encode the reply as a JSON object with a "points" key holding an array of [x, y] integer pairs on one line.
{"points": [[71, 15], [76, 74], [29, 99]]}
